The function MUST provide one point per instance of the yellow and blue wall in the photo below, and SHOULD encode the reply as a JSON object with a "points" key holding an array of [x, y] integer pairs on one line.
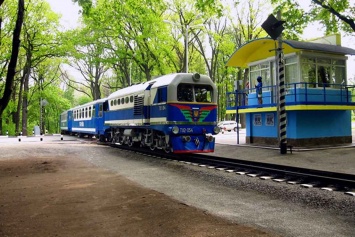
{"points": [[318, 99]]}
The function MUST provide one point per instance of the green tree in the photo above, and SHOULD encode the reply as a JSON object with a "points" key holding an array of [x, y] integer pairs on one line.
{"points": [[39, 43], [11, 66], [335, 15], [88, 56]]}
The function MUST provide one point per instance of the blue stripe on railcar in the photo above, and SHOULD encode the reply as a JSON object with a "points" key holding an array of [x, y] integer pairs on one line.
{"points": [[85, 126], [94, 126], [122, 114], [159, 111]]}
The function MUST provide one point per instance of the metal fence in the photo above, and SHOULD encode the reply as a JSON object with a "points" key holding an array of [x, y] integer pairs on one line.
{"points": [[296, 94]]}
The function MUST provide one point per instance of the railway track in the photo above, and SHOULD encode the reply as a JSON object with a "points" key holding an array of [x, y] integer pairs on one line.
{"points": [[307, 178]]}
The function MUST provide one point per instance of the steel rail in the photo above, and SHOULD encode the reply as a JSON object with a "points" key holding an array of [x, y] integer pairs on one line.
{"points": [[341, 181], [317, 176]]}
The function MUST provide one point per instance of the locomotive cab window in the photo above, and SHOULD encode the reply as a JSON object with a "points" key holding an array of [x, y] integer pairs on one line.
{"points": [[197, 93], [203, 93], [185, 93]]}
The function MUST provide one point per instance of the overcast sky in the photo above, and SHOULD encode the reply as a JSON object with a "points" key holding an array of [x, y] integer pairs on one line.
{"points": [[68, 10]]}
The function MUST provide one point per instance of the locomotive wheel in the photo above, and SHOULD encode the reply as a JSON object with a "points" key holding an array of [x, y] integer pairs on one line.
{"points": [[152, 147], [102, 138]]}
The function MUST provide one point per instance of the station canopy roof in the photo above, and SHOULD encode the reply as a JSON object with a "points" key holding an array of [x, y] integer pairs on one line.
{"points": [[265, 47]]}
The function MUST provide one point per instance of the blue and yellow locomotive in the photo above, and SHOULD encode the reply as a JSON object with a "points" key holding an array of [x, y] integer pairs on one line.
{"points": [[176, 113]]}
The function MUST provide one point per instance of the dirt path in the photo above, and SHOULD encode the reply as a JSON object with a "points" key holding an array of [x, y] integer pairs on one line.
{"points": [[57, 196]]}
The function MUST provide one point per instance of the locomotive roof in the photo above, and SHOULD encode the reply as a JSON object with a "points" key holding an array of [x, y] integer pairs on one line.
{"points": [[157, 82]]}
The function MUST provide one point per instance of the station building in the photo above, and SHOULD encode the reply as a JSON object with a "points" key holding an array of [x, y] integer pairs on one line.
{"points": [[318, 99]]}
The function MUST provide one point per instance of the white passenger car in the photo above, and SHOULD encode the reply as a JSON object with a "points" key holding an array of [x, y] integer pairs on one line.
{"points": [[228, 126]]}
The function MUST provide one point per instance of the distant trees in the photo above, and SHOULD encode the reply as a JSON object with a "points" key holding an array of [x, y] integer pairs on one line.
{"points": [[27, 65], [335, 15]]}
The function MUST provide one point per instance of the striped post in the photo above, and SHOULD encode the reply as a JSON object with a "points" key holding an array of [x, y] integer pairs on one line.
{"points": [[282, 108]]}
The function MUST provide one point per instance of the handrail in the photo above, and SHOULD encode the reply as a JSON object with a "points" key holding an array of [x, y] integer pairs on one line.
{"points": [[301, 93]]}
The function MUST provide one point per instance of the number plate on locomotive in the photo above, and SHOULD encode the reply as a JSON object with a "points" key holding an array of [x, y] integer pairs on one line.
{"points": [[186, 130]]}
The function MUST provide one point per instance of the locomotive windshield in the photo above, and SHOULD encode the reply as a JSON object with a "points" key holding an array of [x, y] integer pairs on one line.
{"points": [[194, 93]]}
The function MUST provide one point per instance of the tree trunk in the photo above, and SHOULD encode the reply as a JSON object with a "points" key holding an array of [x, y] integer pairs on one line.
{"points": [[25, 103], [11, 71], [17, 114]]}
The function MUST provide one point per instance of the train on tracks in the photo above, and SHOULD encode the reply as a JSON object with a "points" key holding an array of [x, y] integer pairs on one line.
{"points": [[175, 113]]}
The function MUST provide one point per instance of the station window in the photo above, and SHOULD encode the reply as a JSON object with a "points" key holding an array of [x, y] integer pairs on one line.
{"points": [[263, 70], [323, 72], [291, 73]]}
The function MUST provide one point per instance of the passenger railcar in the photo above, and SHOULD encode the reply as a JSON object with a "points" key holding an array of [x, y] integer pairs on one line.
{"points": [[88, 119], [66, 122], [175, 112]]}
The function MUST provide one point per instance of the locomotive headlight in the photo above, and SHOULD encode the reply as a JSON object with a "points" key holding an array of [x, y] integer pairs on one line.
{"points": [[216, 130], [175, 130], [209, 138], [186, 138], [196, 77]]}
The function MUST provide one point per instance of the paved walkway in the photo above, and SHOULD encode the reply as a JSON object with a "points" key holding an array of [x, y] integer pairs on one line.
{"points": [[336, 158]]}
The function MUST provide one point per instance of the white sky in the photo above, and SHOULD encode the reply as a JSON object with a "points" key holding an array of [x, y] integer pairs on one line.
{"points": [[68, 10]]}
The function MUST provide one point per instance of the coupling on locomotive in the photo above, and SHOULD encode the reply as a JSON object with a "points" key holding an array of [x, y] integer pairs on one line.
{"points": [[176, 113]]}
